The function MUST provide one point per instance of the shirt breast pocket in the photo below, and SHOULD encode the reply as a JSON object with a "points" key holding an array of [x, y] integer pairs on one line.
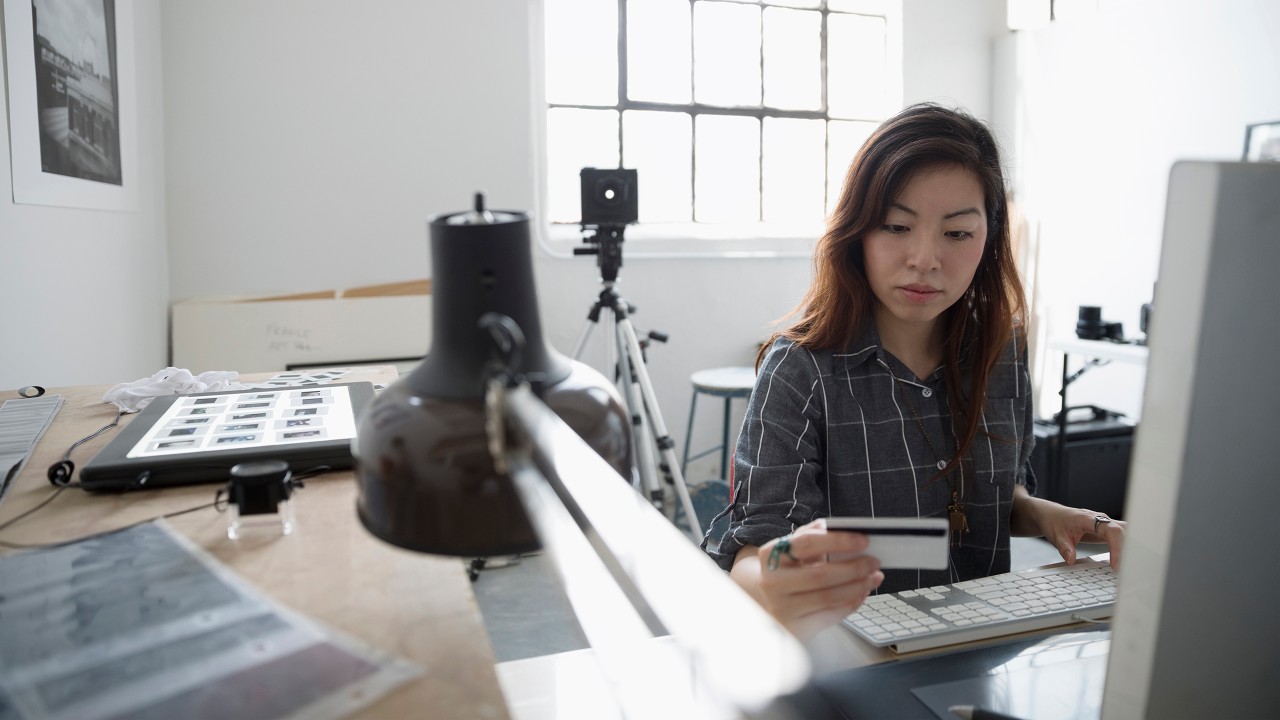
{"points": [[998, 446]]}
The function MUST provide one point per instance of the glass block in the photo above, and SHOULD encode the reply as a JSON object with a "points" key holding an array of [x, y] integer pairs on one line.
{"points": [[844, 139], [581, 52], [857, 66], [576, 139], [815, 4], [659, 145], [658, 63], [727, 169], [726, 54], [794, 160], [792, 59]]}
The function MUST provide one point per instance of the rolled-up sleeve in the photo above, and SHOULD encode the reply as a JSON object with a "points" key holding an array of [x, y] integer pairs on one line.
{"points": [[780, 456]]}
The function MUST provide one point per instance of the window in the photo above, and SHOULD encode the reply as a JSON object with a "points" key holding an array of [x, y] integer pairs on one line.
{"points": [[741, 116]]}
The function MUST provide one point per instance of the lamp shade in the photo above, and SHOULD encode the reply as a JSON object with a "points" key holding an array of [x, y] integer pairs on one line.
{"points": [[426, 478]]}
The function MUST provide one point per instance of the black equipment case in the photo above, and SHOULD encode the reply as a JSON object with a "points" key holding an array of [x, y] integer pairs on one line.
{"points": [[1096, 471]]}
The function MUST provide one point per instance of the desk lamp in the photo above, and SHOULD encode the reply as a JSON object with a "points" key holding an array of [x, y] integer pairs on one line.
{"points": [[426, 477], [493, 447]]}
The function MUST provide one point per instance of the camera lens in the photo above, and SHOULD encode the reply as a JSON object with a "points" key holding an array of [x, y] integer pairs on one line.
{"points": [[609, 192], [1090, 326]]}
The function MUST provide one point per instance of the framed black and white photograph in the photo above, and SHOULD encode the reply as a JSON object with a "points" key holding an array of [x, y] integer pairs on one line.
{"points": [[1262, 142], [72, 102]]}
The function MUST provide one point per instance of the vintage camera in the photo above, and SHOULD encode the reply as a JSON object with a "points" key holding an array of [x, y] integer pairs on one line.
{"points": [[609, 196]]}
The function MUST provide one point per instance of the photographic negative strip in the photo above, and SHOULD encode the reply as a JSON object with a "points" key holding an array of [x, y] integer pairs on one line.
{"points": [[302, 434], [240, 427], [229, 439], [174, 445]]}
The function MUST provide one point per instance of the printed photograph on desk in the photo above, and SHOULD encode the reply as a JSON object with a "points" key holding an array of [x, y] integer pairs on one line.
{"points": [[263, 418], [143, 623], [323, 376]]}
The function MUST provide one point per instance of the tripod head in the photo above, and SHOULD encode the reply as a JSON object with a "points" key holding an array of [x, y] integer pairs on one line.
{"points": [[605, 242]]}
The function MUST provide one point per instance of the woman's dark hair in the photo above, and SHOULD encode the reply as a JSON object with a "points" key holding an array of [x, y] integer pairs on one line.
{"points": [[839, 302]]}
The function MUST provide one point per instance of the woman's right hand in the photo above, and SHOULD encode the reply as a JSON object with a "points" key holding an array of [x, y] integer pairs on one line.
{"points": [[806, 591]]}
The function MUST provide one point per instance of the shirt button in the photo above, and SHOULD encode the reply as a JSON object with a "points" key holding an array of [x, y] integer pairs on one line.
{"points": [[927, 392], [942, 464]]}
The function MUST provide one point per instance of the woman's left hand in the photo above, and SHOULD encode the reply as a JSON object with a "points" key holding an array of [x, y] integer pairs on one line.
{"points": [[1067, 527]]}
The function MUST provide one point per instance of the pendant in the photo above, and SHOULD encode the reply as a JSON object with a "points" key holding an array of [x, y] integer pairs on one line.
{"points": [[958, 520]]}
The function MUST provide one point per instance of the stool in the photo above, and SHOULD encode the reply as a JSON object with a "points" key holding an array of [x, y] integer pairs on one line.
{"points": [[727, 383]]}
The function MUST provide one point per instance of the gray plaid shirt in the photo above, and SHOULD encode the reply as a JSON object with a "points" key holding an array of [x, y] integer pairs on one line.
{"points": [[828, 434]]}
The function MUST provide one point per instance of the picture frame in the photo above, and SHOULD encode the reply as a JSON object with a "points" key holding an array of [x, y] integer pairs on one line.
{"points": [[72, 79], [1262, 142]]}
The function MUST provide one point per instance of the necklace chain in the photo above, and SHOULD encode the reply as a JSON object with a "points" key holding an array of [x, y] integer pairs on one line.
{"points": [[956, 510]]}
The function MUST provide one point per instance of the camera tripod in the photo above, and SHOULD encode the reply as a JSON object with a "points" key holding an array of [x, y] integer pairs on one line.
{"points": [[626, 354]]}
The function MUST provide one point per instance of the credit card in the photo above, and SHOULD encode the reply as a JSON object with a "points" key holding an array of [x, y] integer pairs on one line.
{"points": [[899, 543]]}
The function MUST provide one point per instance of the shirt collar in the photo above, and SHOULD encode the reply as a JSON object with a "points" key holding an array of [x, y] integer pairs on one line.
{"points": [[863, 349], [867, 348]]}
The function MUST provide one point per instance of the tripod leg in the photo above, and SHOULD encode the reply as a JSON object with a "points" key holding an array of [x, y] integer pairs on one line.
{"points": [[582, 338], [647, 483], [665, 444]]}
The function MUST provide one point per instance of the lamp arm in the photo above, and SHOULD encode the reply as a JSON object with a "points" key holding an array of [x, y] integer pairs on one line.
{"points": [[631, 576]]}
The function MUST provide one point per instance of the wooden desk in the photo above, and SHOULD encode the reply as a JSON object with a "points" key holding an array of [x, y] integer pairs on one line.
{"points": [[419, 607]]}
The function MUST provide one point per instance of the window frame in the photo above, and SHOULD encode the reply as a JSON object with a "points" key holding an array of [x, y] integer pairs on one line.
{"points": [[701, 239]]}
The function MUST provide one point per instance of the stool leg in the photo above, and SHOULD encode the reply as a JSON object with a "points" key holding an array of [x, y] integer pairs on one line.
{"points": [[724, 446], [688, 435]]}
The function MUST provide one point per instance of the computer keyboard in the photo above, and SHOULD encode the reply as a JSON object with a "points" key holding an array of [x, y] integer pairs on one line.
{"points": [[987, 607]]}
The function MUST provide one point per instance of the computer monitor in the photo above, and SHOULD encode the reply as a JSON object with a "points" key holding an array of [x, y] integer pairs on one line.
{"points": [[1197, 625]]}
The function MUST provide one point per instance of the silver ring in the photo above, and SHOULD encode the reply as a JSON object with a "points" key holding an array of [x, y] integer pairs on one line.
{"points": [[1098, 520]]}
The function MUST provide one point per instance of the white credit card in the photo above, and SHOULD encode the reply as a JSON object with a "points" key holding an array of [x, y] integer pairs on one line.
{"points": [[899, 543]]}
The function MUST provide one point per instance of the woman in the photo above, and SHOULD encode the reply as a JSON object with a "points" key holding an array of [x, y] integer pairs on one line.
{"points": [[901, 390]]}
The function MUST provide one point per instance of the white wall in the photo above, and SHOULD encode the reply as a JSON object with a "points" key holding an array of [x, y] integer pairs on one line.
{"points": [[84, 293], [1110, 102], [309, 141]]}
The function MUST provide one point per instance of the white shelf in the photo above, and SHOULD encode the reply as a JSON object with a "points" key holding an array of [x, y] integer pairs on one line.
{"points": [[1102, 349]]}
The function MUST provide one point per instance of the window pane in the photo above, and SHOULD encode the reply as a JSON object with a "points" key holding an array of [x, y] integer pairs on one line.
{"points": [[727, 156], [850, 6], [793, 165], [659, 145], [856, 66], [726, 53], [792, 59], [658, 66], [576, 139], [844, 139], [582, 52]]}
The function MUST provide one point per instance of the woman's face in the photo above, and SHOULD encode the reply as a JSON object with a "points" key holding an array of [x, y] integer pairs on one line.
{"points": [[922, 257]]}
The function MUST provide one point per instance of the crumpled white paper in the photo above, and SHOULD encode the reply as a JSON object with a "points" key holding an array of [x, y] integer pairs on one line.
{"points": [[133, 396]]}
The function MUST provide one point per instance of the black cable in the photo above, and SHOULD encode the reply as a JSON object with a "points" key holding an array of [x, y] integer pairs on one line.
{"points": [[60, 472], [218, 503], [44, 502], [60, 543]]}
